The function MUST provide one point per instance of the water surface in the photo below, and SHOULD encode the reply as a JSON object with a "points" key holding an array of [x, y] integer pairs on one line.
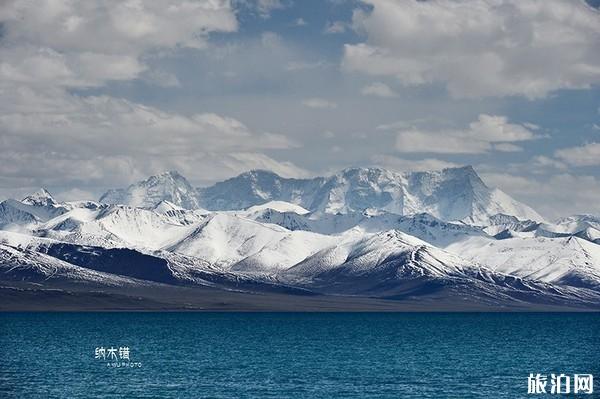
{"points": [[292, 355]]}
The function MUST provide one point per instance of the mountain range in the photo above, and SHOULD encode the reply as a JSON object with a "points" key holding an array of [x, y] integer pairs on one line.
{"points": [[456, 194], [368, 236]]}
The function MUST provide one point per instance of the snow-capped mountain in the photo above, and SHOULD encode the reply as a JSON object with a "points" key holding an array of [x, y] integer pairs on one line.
{"points": [[501, 225], [169, 186], [576, 223], [565, 260], [586, 227], [453, 194], [424, 226], [27, 265], [582, 226], [41, 198], [362, 232], [237, 243], [396, 265], [14, 214], [35, 208]]}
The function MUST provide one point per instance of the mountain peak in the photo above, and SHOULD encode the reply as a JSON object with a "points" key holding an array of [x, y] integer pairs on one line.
{"points": [[170, 186], [362, 169], [364, 172], [173, 174], [259, 173], [40, 198], [463, 177], [164, 177], [466, 170]]}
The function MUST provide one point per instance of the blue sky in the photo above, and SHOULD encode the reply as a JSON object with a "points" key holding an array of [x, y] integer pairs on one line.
{"points": [[100, 93]]}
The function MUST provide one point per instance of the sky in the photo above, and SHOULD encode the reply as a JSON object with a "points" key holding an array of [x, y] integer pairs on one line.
{"points": [[100, 93]]}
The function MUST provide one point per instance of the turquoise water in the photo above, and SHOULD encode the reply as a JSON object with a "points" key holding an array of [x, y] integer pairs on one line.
{"points": [[291, 355]]}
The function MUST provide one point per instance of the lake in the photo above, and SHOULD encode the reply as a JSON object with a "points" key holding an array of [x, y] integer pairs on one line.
{"points": [[291, 355]]}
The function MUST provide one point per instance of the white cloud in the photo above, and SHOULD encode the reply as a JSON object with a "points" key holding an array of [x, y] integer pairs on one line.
{"points": [[87, 43], [541, 164], [402, 164], [318, 103], [378, 89], [480, 47], [52, 138], [161, 78], [75, 194], [115, 26], [265, 7], [531, 126], [46, 67], [336, 27], [96, 118], [300, 22], [586, 155], [507, 147], [223, 166], [565, 192], [439, 142], [408, 123], [487, 133]]}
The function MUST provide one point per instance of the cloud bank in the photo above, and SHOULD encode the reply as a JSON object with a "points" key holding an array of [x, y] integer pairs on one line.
{"points": [[52, 136], [479, 48]]}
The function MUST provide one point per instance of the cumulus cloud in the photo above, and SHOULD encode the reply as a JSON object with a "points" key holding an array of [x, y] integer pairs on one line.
{"points": [[321, 103], [78, 44], [37, 66], [480, 47], [586, 155], [53, 137], [378, 89], [114, 26], [487, 133], [84, 43]]}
